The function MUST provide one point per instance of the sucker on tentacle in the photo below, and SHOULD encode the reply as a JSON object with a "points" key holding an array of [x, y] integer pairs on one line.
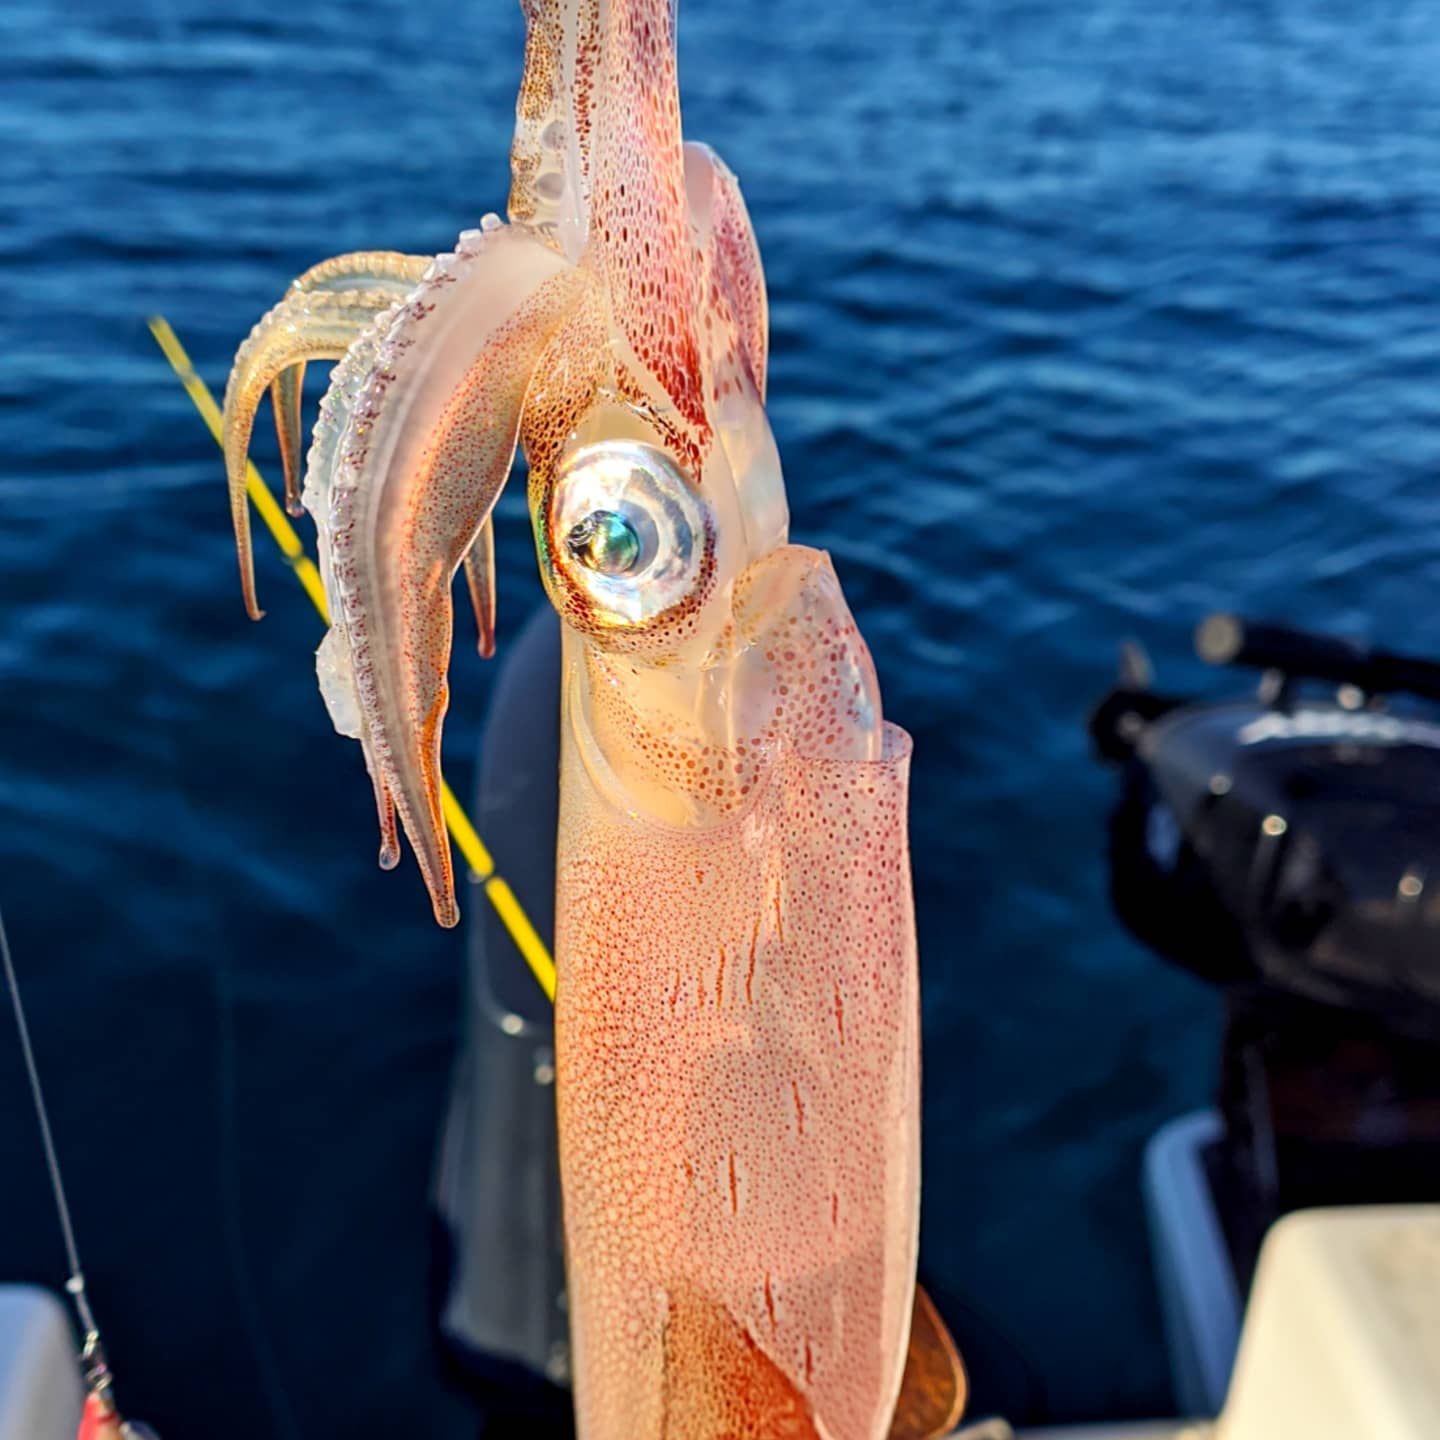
{"points": [[375, 269], [332, 657]]}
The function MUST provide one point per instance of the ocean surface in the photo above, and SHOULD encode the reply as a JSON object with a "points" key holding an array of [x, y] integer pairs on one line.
{"points": [[1088, 318]]}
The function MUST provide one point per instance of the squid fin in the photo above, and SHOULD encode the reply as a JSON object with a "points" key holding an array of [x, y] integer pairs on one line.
{"points": [[637, 188], [934, 1387], [718, 1381], [722, 225]]}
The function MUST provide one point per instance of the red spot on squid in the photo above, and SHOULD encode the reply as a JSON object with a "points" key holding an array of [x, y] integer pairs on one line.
{"points": [[750, 974]]}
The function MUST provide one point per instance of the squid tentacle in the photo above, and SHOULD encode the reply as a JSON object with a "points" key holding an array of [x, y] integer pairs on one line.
{"points": [[306, 325], [359, 269], [426, 449], [285, 398], [370, 269], [332, 659], [346, 382], [480, 577]]}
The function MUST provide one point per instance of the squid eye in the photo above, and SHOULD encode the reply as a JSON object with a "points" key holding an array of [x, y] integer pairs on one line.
{"points": [[605, 541], [627, 529]]}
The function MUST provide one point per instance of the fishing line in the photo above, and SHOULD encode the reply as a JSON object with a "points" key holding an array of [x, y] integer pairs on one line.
{"points": [[99, 1383], [75, 1285]]}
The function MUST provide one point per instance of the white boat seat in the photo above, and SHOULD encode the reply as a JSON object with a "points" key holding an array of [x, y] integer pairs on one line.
{"points": [[40, 1391]]}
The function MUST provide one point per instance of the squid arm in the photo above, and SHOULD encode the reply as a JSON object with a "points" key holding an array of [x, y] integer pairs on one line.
{"points": [[332, 658], [426, 449], [323, 312], [480, 577], [374, 269]]}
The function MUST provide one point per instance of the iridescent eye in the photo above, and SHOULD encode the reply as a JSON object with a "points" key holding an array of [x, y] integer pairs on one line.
{"points": [[628, 529], [605, 541]]}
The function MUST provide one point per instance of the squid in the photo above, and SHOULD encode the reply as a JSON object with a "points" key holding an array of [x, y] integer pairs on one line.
{"points": [[737, 1008]]}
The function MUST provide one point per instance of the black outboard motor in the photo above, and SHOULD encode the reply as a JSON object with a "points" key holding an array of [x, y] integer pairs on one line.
{"points": [[1287, 848]]}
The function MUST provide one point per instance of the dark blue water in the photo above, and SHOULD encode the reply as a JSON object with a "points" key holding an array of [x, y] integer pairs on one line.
{"points": [[1087, 318]]}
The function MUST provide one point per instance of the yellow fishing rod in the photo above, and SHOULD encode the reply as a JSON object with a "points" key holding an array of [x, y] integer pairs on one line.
{"points": [[477, 856]]}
